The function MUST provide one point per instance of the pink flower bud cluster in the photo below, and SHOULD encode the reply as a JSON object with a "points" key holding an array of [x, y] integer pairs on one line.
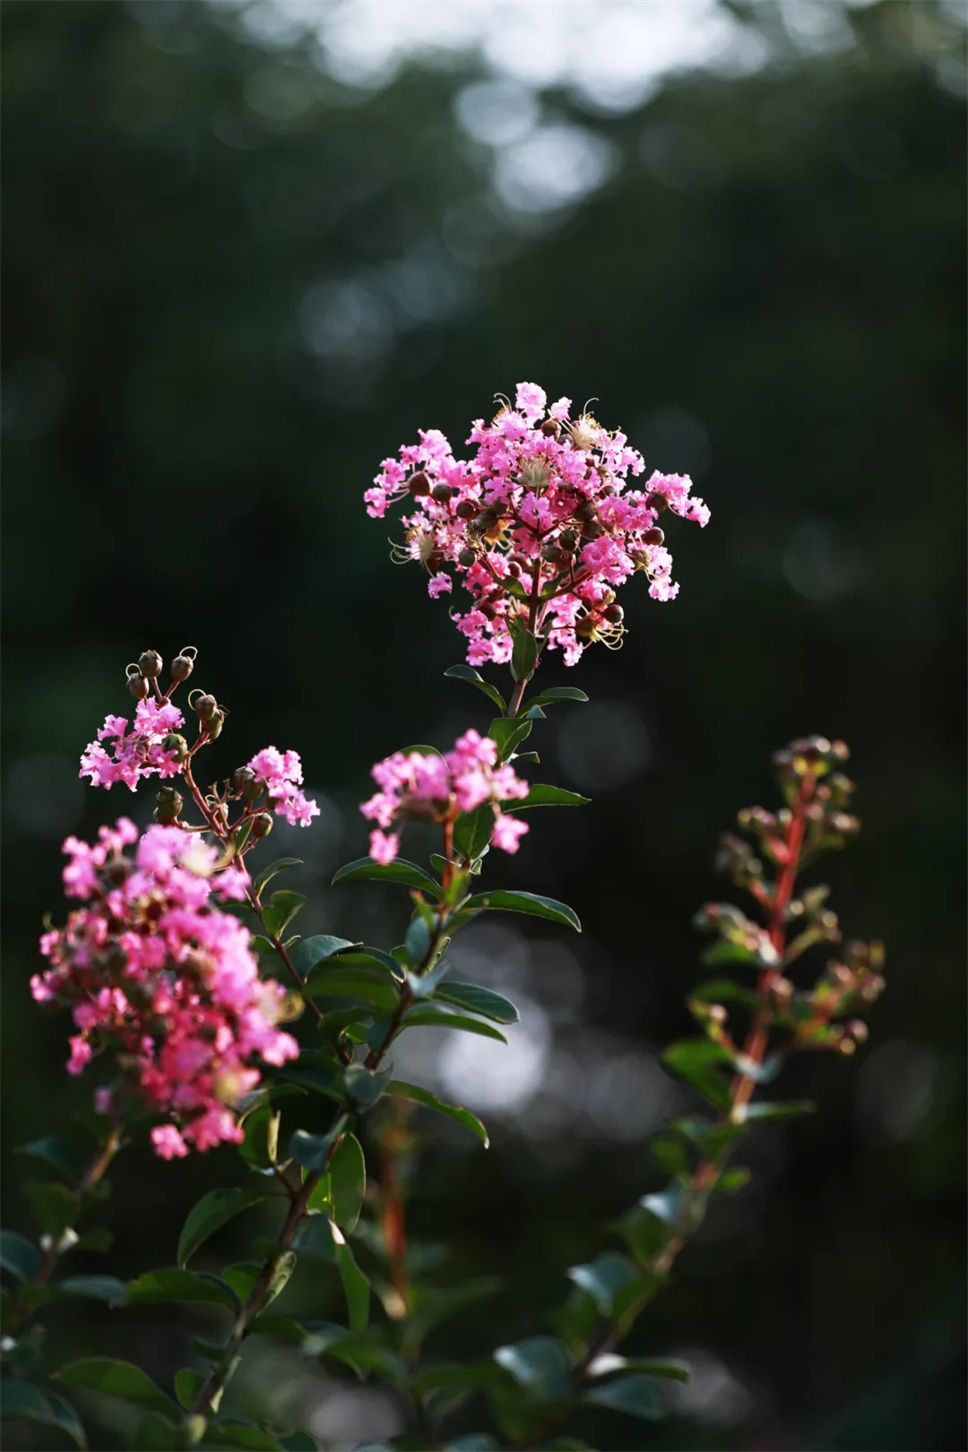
{"points": [[539, 524], [282, 774], [130, 755], [161, 978], [436, 788]]}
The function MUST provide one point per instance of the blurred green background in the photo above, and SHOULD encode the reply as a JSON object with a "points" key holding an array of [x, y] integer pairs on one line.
{"points": [[249, 253]]}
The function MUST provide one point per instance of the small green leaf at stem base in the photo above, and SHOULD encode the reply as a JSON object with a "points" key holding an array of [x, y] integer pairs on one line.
{"points": [[282, 908], [524, 656], [269, 872], [473, 678]]}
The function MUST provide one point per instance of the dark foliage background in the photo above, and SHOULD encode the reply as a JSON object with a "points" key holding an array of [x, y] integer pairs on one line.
{"points": [[233, 285]]}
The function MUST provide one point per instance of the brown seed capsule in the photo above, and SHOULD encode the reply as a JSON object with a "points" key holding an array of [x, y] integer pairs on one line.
{"points": [[585, 510], [261, 825], [466, 558], [182, 667], [553, 553], [614, 614], [442, 493], [658, 502], [551, 428], [592, 529], [419, 484], [242, 777], [138, 686], [466, 509], [150, 662], [653, 536], [568, 540], [205, 707], [486, 520]]}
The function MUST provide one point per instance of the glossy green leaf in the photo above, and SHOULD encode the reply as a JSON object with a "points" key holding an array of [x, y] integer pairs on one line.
{"points": [[473, 678], [398, 1089], [669, 1370], [670, 1154], [732, 1181], [269, 872], [541, 1364], [99, 1288], [57, 1152], [508, 734], [282, 908], [645, 1232], [299, 1442], [242, 1435], [433, 1305], [472, 831], [308, 952], [698, 1061], [427, 1015], [211, 1212], [19, 1399], [347, 1180], [791, 1109], [18, 1255], [408, 873], [479, 1000], [524, 902], [116, 1379], [172, 1284], [558, 693], [365, 1085], [312, 1151], [260, 1138], [55, 1207], [631, 1394], [523, 657], [724, 990], [364, 984], [720, 953], [319, 1237], [97, 1239], [188, 1384], [540, 795], [604, 1278], [417, 940]]}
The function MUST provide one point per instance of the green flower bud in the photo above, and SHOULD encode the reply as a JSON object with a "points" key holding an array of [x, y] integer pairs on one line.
{"points": [[215, 725], [168, 805], [176, 743], [466, 558], [261, 825], [205, 707]]}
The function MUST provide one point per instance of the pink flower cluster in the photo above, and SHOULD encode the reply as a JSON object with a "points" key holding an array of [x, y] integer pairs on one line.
{"points": [[130, 755], [281, 772], [159, 976], [538, 524], [436, 788]]}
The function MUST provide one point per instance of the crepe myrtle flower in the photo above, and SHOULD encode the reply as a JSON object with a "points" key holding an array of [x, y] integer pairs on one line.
{"points": [[162, 981], [437, 787], [538, 524]]}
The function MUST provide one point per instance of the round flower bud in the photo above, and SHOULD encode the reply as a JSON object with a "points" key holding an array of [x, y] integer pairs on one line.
{"points": [[485, 521], [586, 627], [553, 553], [658, 502], [585, 510], [182, 667], [466, 558], [550, 428], [442, 493], [168, 805], [150, 663], [592, 529], [175, 742], [205, 707], [653, 537], [242, 777], [568, 540], [419, 484], [138, 686], [614, 614], [215, 725], [466, 509], [261, 825]]}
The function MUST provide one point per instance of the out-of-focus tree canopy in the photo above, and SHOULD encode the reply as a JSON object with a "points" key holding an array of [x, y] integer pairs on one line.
{"points": [[233, 283]]}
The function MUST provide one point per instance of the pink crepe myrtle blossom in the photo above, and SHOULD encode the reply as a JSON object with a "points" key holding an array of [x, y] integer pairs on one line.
{"points": [[538, 525], [120, 755], [435, 787], [282, 774], [157, 975]]}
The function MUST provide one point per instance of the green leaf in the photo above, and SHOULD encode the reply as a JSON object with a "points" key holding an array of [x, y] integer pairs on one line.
{"points": [[261, 1138], [546, 796], [58, 1153], [242, 1435], [417, 940], [116, 1379], [155, 1433], [608, 1363], [524, 902], [478, 1000], [268, 873], [724, 990], [472, 1442], [364, 868], [312, 1151], [732, 1181], [19, 1399], [426, 1015], [632, 1394], [308, 952], [791, 1109], [299, 1442], [401, 1090], [508, 733], [698, 1061], [282, 908], [523, 657], [99, 1288], [188, 1384], [705, 1134], [558, 693], [725, 952], [365, 1085], [472, 831], [321, 1238], [210, 1213], [347, 1178], [645, 1232], [98, 1239], [433, 1305], [670, 1154], [604, 1278], [55, 1207], [18, 1255], [370, 987], [172, 1284], [473, 678], [541, 1364]]}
